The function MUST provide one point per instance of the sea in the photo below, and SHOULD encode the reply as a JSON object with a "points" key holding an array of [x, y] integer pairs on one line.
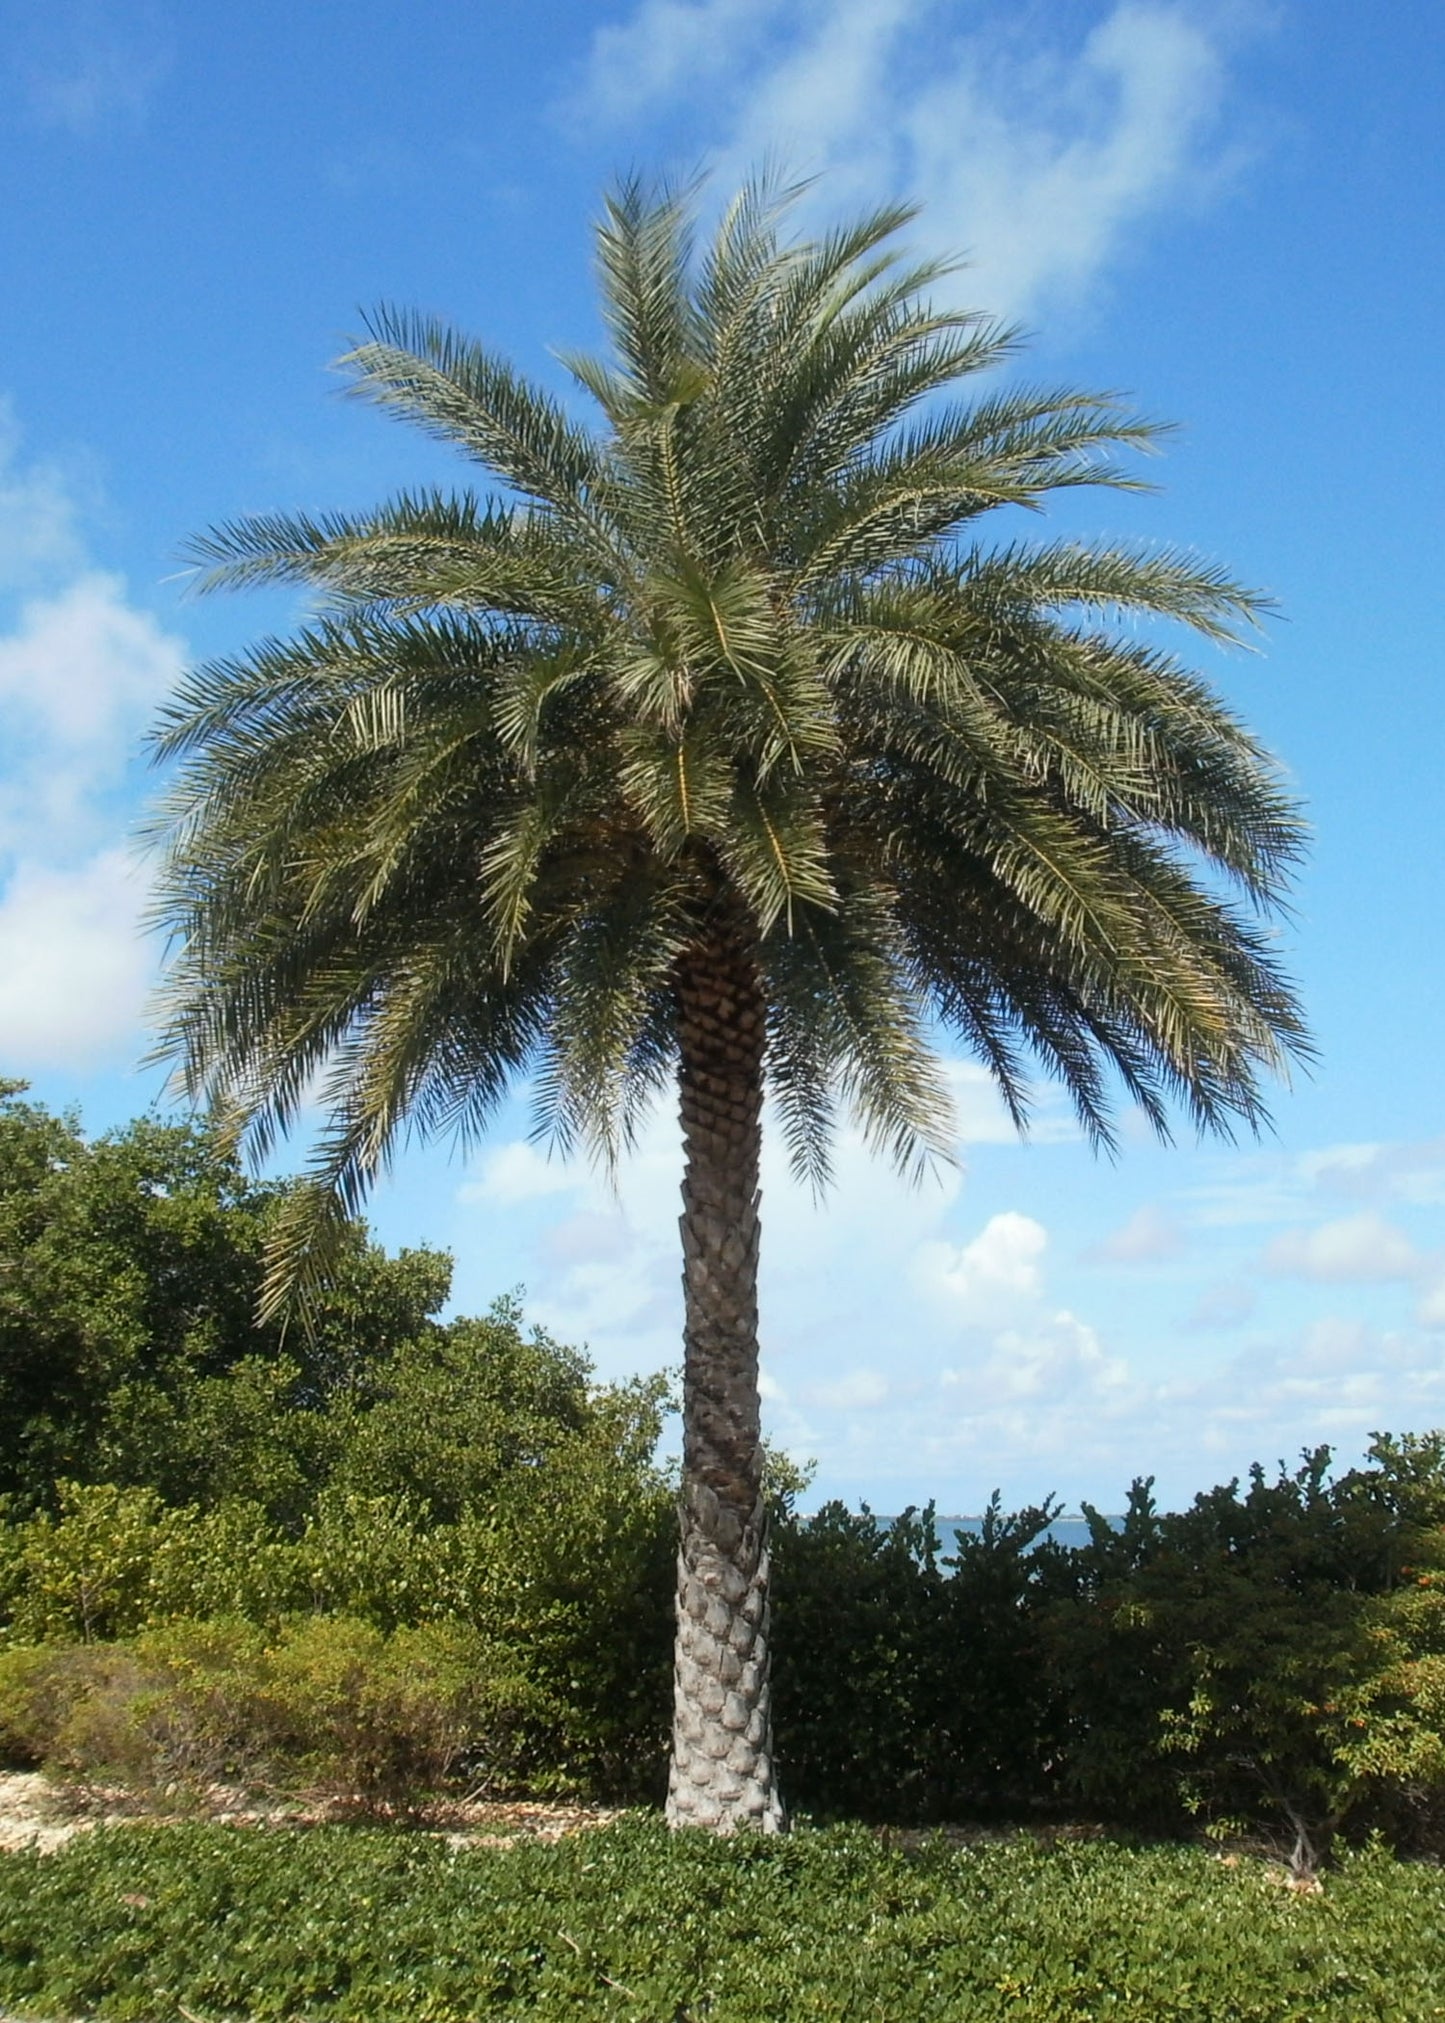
{"points": [[1064, 1530]]}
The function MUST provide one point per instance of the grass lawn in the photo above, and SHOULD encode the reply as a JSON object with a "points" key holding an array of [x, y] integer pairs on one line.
{"points": [[204, 1921]]}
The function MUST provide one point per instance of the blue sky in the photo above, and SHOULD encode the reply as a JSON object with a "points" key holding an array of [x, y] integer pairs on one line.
{"points": [[1232, 210]]}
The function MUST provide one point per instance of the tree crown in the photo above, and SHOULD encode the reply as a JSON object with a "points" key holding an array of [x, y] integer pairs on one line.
{"points": [[737, 653]]}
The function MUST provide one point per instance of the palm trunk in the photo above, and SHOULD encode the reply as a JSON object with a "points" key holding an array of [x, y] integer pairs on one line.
{"points": [[722, 1744]]}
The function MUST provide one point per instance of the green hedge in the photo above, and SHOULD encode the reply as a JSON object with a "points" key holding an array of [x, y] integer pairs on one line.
{"points": [[1270, 1661]]}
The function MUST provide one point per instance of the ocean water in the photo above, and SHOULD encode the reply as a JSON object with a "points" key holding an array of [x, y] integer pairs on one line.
{"points": [[1064, 1530]]}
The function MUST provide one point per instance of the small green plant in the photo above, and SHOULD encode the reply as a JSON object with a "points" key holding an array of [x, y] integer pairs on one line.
{"points": [[630, 1922]]}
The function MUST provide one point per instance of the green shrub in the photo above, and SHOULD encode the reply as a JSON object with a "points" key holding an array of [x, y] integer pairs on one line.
{"points": [[459, 1414], [228, 1561], [859, 1636], [1260, 1661], [387, 1719], [86, 1573], [629, 1922], [1269, 1661], [1387, 1725], [379, 1558], [329, 1704], [911, 1687], [576, 1568], [129, 1347], [112, 1560], [50, 1702]]}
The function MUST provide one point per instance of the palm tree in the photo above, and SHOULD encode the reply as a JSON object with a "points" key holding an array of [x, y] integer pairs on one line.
{"points": [[709, 744]]}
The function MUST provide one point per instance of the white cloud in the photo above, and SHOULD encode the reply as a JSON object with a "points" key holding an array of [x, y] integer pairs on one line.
{"points": [[1412, 1172], [991, 1276], [1038, 155], [1148, 1237], [83, 666], [1340, 1166], [74, 967], [857, 1391], [81, 669], [1293, 1187], [1046, 199], [590, 1236], [663, 47], [916, 1353], [39, 536], [981, 1118], [1357, 1247], [604, 1267], [519, 1172], [1335, 1379], [1331, 1348], [1054, 1358]]}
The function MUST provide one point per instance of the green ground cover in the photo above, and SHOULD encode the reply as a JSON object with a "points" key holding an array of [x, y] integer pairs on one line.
{"points": [[208, 1922]]}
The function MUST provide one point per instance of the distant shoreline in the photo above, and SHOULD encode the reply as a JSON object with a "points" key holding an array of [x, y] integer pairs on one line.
{"points": [[977, 1517]]}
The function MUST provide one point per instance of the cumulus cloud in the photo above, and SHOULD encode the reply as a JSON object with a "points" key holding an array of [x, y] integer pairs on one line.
{"points": [[74, 967], [39, 530], [1054, 1358], [81, 668], [665, 47], [519, 1172], [990, 1275], [920, 1346], [1039, 155], [1357, 1247], [1046, 202], [604, 1266], [83, 665], [858, 1390], [1334, 1379], [1148, 1237]]}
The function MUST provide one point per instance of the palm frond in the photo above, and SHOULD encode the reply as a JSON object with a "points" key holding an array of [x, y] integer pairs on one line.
{"points": [[741, 652]]}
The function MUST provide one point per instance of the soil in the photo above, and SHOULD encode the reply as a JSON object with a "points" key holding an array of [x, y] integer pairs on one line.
{"points": [[37, 1812]]}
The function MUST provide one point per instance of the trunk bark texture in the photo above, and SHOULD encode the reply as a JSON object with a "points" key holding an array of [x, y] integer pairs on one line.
{"points": [[722, 1773]]}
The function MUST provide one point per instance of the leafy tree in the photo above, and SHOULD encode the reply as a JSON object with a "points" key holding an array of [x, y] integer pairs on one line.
{"points": [[461, 1407], [711, 746], [130, 1352]]}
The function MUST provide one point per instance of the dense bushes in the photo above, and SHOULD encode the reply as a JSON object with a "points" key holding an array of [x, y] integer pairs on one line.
{"points": [[165, 1460], [326, 1702], [563, 1580], [129, 1349], [910, 1685], [1272, 1658]]}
